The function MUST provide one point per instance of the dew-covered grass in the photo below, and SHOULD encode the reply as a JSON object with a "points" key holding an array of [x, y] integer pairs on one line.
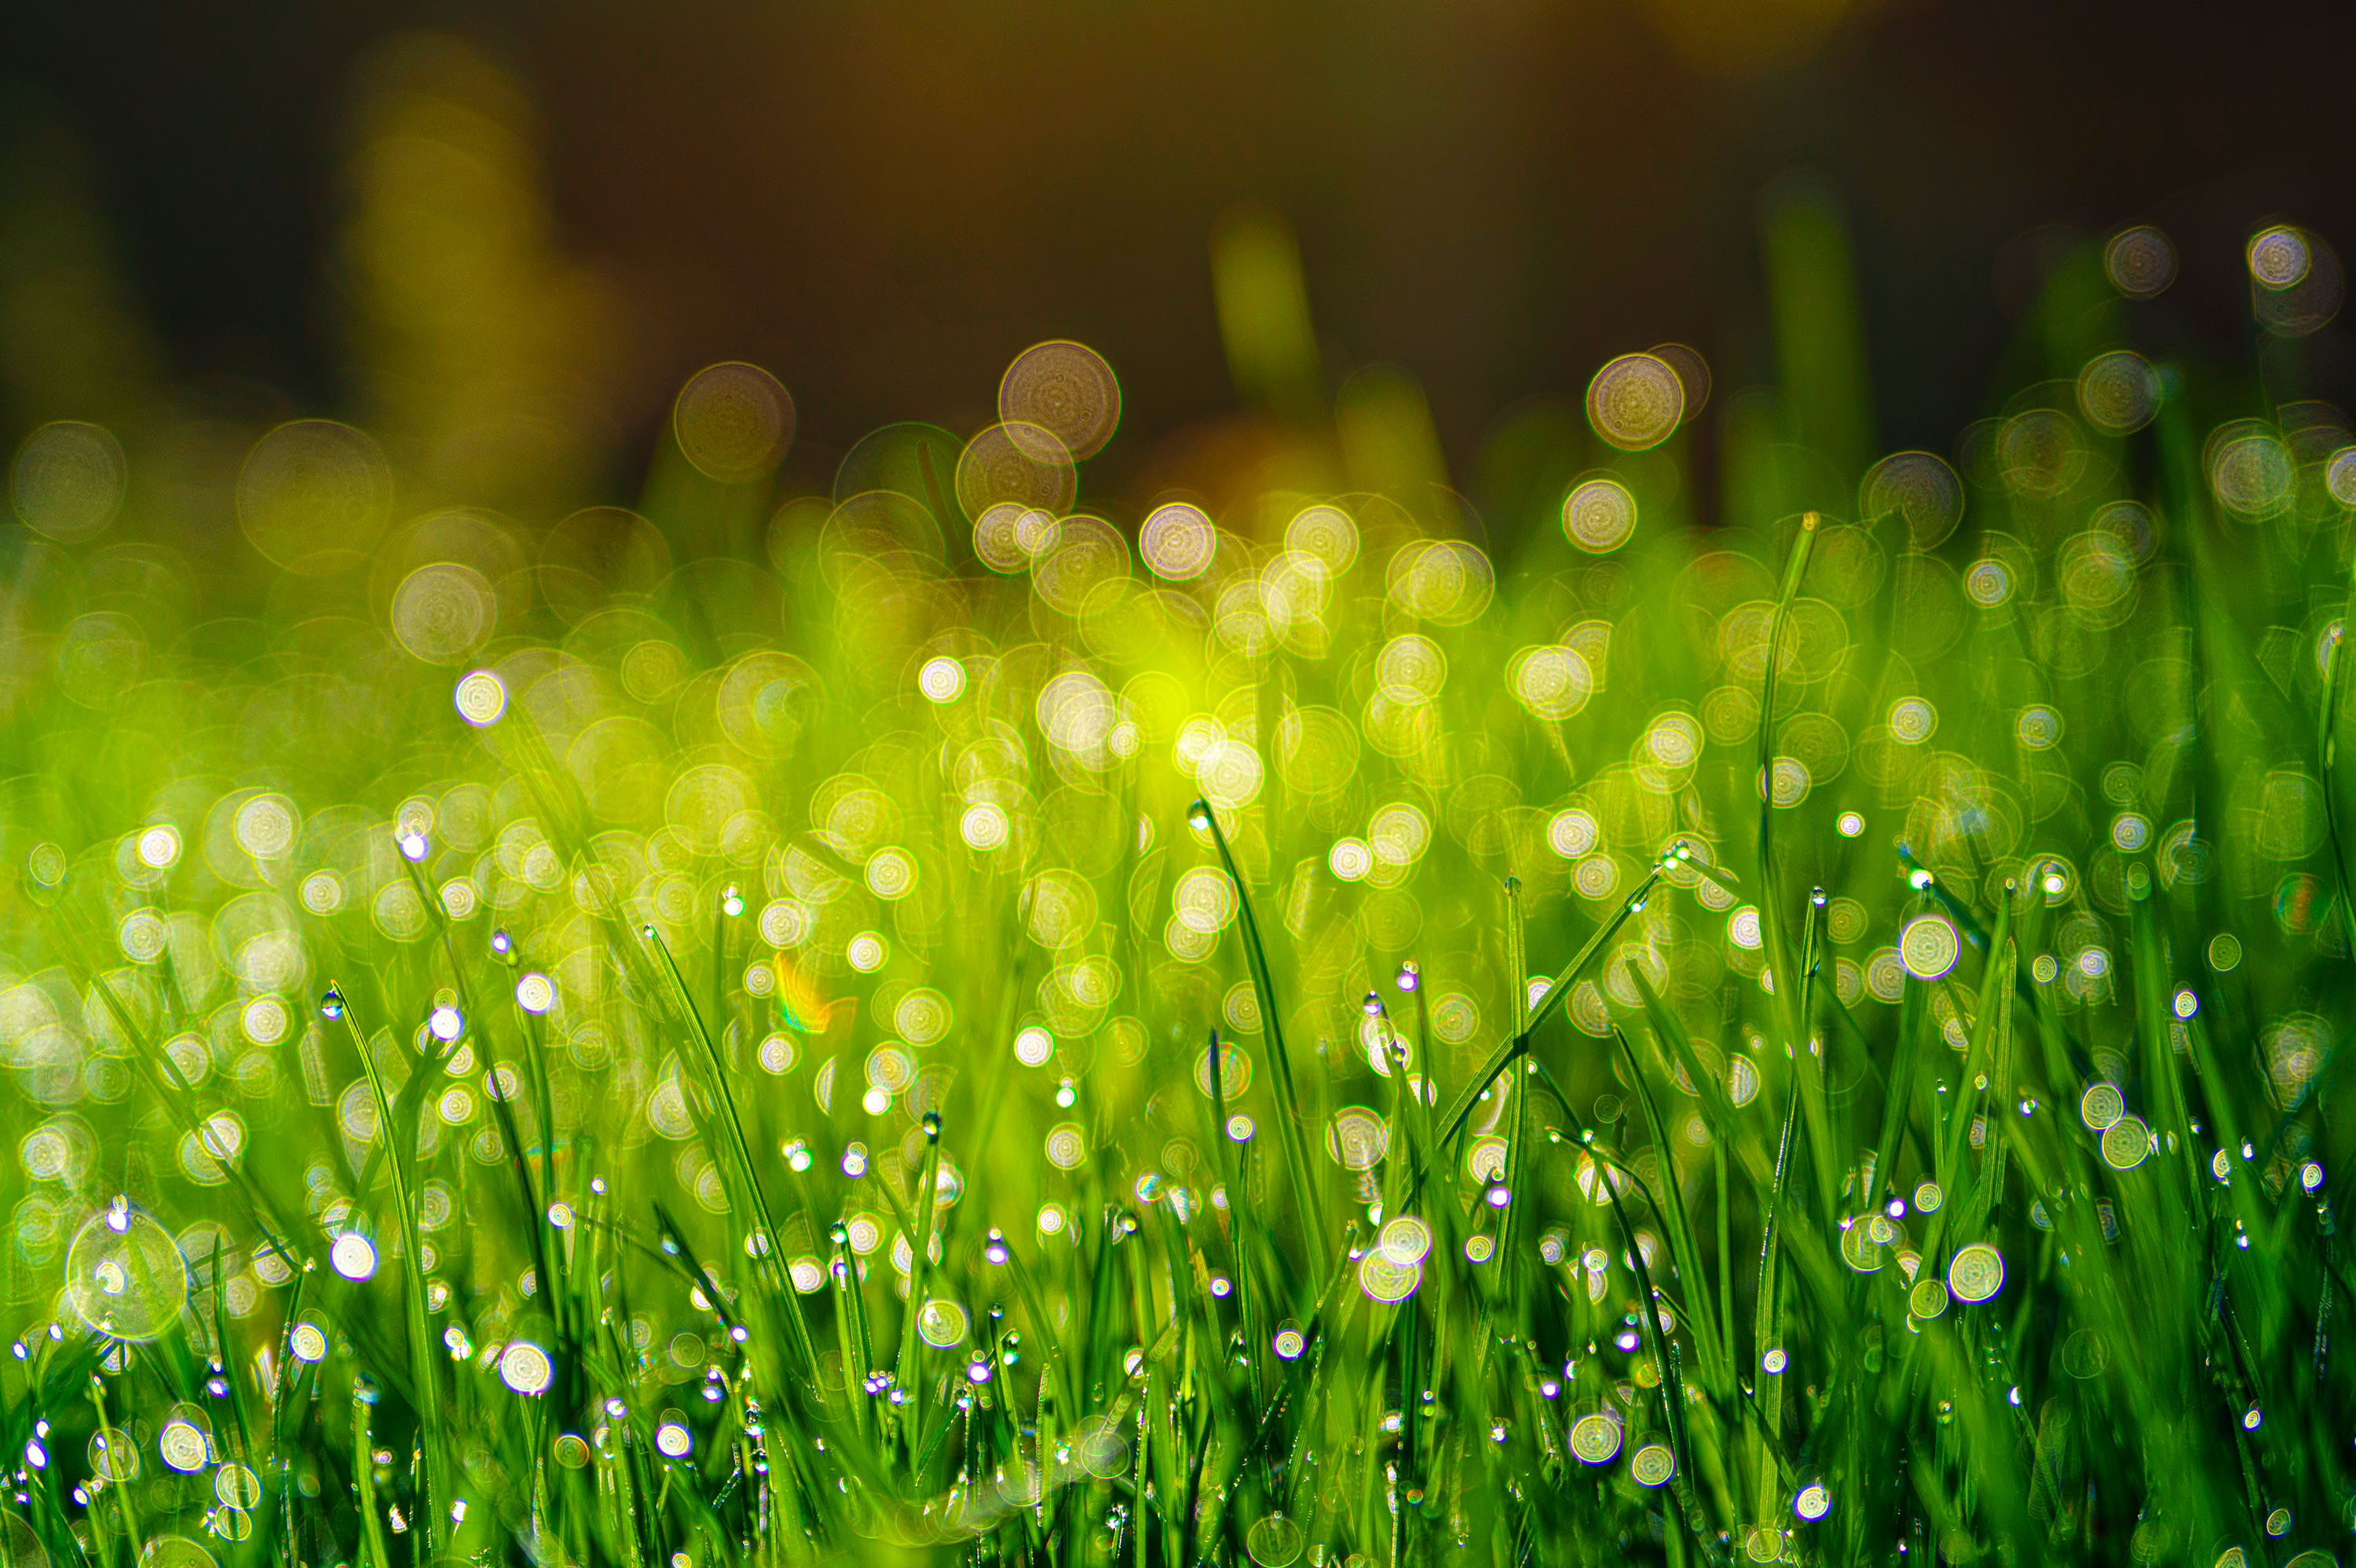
{"points": [[1637, 1009]]}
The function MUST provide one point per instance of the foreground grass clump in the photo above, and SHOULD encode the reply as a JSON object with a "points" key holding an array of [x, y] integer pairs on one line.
{"points": [[961, 1026]]}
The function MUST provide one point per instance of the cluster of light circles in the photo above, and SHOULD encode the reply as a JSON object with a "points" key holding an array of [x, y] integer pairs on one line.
{"points": [[904, 797]]}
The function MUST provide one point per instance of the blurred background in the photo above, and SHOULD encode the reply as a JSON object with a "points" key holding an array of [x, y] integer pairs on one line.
{"points": [[501, 235]]}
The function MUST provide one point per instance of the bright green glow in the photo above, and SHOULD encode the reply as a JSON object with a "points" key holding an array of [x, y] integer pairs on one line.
{"points": [[871, 861]]}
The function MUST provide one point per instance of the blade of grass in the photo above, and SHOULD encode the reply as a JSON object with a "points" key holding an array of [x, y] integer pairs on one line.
{"points": [[1290, 1131], [424, 1369]]}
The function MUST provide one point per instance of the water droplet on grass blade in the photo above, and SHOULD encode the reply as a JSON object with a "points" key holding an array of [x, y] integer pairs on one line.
{"points": [[352, 1256], [1652, 1465], [525, 1368], [942, 1323], [237, 1486], [1595, 1437], [1274, 1542], [1975, 1272], [124, 1274], [2126, 1143], [184, 1446], [481, 697], [158, 847], [1386, 1280], [1929, 946]]}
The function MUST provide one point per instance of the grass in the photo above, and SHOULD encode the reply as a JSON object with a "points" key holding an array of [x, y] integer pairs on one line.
{"points": [[844, 1050]]}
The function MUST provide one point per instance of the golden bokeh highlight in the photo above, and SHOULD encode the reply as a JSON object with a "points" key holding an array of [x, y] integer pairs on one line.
{"points": [[2140, 262], [733, 421], [314, 495], [1599, 515], [67, 480], [1635, 401], [1065, 389], [1919, 490], [1016, 465]]}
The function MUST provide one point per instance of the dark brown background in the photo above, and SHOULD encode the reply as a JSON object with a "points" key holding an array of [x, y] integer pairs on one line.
{"points": [[884, 202]]}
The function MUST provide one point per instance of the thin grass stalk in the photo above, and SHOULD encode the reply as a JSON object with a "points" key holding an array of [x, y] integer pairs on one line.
{"points": [[1306, 1191]]}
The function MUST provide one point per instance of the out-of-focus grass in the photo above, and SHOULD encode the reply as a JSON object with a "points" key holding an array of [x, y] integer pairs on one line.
{"points": [[953, 1014]]}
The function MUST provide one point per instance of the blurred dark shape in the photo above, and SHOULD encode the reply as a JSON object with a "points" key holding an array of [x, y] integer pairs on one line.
{"points": [[883, 207]]}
